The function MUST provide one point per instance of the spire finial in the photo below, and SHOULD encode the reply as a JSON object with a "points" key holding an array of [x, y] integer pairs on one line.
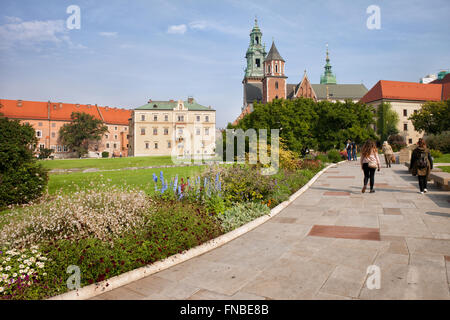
{"points": [[256, 21]]}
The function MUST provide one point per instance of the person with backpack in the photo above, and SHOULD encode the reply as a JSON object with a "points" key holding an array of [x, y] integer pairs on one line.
{"points": [[349, 150], [421, 164], [354, 150], [369, 163]]}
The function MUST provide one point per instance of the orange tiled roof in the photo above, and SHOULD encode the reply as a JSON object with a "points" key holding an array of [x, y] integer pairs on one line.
{"points": [[400, 90], [61, 111]]}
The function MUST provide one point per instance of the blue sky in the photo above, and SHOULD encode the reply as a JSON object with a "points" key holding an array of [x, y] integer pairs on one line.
{"points": [[127, 52]]}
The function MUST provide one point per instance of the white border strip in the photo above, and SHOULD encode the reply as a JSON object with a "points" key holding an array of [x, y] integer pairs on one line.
{"points": [[95, 289]]}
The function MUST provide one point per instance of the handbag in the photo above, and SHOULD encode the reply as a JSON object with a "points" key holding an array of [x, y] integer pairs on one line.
{"points": [[373, 164]]}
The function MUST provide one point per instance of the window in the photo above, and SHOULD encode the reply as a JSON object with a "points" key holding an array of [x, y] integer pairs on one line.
{"points": [[169, 144], [197, 131], [206, 131], [276, 68], [155, 131], [115, 136], [276, 97], [58, 148], [180, 131], [42, 146], [53, 148], [115, 128], [405, 127], [115, 146], [198, 118], [156, 145], [206, 118], [107, 145], [106, 136], [125, 128], [257, 40], [38, 133], [142, 117], [142, 131], [166, 117], [270, 69], [53, 125], [410, 141], [155, 117], [258, 63], [147, 145], [40, 124], [166, 131], [276, 84], [180, 118], [405, 112], [65, 148], [53, 134]]}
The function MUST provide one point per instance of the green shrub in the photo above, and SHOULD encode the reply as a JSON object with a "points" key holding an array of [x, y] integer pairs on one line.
{"points": [[22, 179], [241, 214], [334, 156], [439, 142], [105, 154], [322, 158], [436, 153], [397, 142]]}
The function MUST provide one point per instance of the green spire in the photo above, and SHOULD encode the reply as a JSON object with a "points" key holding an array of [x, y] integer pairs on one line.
{"points": [[328, 77], [255, 53]]}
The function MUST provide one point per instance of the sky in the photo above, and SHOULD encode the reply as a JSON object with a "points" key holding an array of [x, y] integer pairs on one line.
{"points": [[127, 52]]}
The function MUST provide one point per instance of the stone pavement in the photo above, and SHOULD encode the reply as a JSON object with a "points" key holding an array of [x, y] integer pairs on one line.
{"points": [[321, 245]]}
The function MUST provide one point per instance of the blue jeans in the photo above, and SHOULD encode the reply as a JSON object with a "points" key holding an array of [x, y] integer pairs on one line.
{"points": [[349, 155], [354, 155]]}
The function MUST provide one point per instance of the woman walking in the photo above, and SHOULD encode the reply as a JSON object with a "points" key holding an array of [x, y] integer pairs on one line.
{"points": [[421, 164], [369, 162], [388, 153]]}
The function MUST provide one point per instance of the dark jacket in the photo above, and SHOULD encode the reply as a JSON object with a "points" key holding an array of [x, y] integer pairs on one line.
{"points": [[414, 160]]}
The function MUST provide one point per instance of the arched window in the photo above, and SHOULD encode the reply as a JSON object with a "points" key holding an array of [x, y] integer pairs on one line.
{"points": [[276, 97], [276, 68], [276, 84], [257, 40], [269, 70]]}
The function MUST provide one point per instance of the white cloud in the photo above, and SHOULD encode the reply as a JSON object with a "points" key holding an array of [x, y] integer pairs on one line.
{"points": [[34, 33], [177, 29], [198, 25], [12, 19], [218, 27], [108, 34]]}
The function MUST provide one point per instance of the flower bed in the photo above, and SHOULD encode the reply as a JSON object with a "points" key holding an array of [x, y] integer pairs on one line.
{"points": [[108, 232]]}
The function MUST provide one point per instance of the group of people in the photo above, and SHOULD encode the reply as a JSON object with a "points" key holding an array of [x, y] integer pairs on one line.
{"points": [[351, 148], [420, 165]]}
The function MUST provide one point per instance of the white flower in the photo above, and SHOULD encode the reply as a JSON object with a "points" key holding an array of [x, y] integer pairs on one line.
{"points": [[1, 289], [8, 268], [21, 266], [15, 275], [44, 274]]}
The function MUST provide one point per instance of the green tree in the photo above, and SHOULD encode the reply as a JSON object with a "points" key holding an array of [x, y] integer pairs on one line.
{"points": [[22, 178], [387, 121], [433, 117], [81, 132]]}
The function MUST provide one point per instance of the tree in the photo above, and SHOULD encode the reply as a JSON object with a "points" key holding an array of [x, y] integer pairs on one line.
{"points": [[320, 125], [22, 178], [45, 153], [387, 121], [81, 132], [433, 117]]}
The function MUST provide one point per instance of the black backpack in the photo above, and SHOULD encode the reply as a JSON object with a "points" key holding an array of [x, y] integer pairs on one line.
{"points": [[422, 163]]}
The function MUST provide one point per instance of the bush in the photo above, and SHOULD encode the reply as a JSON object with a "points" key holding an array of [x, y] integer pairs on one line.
{"points": [[334, 156], [397, 142], [241, 214], [105, 154], [436, 153], [45, 153], [439, 142], [22, 178], [323, 158]]}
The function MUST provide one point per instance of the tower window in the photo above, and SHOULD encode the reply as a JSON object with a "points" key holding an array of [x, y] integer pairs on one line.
{"points": [[258, 63], [257, 40], [276, 68], [276, 84]]}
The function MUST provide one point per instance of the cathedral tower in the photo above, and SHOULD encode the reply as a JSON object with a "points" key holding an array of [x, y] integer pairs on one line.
{"points": [[328, 77], [274, 82], [255, 56]]}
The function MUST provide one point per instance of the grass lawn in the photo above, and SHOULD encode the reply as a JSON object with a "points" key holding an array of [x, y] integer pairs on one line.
{"points": [[141, 179], [107, 163], [444, 159], [445, 168]]}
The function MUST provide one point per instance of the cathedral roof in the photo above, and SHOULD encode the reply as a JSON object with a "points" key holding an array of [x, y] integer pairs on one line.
{"points": [[339, 91], [253, 91], [274, 54]]}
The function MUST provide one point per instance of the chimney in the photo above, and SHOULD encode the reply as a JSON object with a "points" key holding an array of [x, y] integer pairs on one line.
{"points": [[19, 103], [190, 99], [77, 105]]}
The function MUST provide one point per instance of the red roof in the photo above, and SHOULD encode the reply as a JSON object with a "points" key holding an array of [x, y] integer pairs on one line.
{"points": [[61, 111], [399, 90]]}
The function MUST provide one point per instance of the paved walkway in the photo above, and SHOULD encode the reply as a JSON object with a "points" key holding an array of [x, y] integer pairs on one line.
{"points": [[303, 253]]}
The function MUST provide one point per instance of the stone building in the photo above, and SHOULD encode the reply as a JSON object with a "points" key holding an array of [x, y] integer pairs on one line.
{"points": [[405, 99], [48, 117], [181, 128], [265, 79]]}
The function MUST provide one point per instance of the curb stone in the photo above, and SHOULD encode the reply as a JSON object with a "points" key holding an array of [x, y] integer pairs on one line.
{"points": [[96, 289]]}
